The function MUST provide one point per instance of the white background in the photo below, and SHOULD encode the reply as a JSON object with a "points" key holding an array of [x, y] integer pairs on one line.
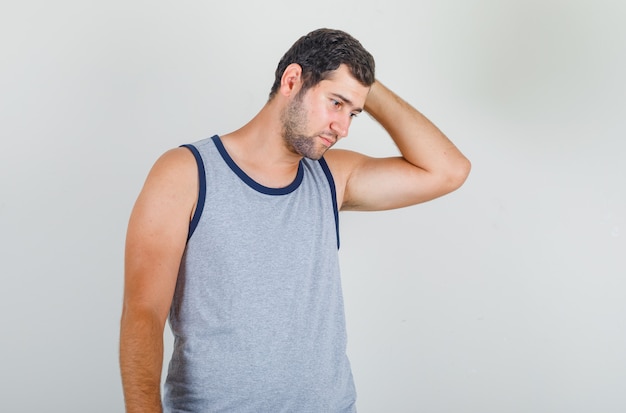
{"points": [[508, 295]]}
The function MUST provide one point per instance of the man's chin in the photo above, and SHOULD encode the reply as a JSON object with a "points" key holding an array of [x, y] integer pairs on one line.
{"points": [[316, 156], [308, 147]]}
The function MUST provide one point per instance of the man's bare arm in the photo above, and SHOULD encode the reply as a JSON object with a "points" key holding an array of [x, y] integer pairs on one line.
{"points": [[155, 241], [430, 165]]}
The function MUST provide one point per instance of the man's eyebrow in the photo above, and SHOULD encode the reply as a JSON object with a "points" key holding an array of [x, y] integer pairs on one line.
{"points": [[348, 101]]}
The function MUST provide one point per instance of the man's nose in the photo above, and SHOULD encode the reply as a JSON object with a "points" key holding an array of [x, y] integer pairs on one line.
{"points": [[340, 126]]}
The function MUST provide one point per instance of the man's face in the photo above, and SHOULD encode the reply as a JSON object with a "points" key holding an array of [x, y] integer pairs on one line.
{"points": [[315, 120]]}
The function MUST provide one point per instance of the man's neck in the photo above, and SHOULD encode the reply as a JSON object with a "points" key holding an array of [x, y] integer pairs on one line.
{"points": [[258, 148]]}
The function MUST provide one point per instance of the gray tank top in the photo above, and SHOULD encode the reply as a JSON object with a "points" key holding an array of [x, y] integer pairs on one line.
{"points": [[257, 314]]}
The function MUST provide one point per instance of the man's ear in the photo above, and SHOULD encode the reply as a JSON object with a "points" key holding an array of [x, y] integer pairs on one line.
{"points": [[291, 81]]}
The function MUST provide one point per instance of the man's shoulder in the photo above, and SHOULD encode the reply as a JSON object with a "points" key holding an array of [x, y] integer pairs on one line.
{"points": [[176, 165], [343, 162]]}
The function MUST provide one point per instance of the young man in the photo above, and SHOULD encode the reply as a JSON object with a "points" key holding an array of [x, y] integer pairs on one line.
{"points": [[235, 238]]}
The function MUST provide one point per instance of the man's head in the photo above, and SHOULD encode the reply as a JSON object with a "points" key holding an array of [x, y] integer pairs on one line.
{"points": [[321, 52], [314, 121]]}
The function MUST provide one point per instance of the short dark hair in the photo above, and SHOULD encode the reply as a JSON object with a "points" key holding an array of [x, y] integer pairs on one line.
{"points": [[323, 51]]}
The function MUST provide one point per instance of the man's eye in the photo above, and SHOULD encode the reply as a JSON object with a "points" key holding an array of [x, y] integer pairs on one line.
{"points": [[336, 103], [354, 115]]}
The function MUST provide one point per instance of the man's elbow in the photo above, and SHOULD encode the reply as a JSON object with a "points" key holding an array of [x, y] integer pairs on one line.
{"points": [[458, 173]]}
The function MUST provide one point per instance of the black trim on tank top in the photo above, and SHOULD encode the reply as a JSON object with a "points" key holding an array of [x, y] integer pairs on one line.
{"points": [[202, 190], [333, 194], [251, 182]]}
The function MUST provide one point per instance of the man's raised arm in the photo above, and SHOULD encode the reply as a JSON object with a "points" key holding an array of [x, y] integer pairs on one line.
{"points": [[430, 164]]}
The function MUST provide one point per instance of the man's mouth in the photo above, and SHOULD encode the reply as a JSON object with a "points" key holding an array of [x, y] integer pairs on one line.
{"points": [[328, 142]]}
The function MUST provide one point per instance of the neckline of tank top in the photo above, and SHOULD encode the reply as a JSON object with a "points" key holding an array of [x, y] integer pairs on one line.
{"points": [[251, 182]]}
